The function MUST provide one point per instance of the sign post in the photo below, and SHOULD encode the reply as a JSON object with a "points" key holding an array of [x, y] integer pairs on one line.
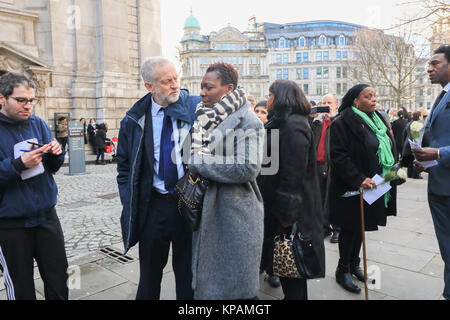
{"points": [[77, 160]]}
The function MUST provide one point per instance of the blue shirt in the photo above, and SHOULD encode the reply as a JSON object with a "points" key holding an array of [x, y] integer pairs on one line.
{"points": [[157, 122]]}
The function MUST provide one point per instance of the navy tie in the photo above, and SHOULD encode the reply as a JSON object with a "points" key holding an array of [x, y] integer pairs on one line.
{"points": [[167, 168]]}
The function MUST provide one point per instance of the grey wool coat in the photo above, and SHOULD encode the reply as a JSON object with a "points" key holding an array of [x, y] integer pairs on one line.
{"points": [[227, 247]]}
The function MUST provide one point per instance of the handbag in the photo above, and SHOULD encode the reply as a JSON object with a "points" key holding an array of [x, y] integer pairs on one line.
{"points": [[189, 192], [295, 257]]}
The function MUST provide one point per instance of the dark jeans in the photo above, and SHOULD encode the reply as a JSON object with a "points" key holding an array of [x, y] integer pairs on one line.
{"points": [[45, 244], [440, 212], [63, 142], [164, 226], [349, 246], [100, 154]]}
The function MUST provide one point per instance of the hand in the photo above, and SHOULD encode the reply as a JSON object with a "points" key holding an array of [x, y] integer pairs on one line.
{"points": [[55, 148], [419, 168], [426, 154], [368, 184], [33, 158]]}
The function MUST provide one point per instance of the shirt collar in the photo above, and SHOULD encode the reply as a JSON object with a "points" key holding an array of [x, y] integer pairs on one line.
{"points": [[447, 87], [156, 108]]}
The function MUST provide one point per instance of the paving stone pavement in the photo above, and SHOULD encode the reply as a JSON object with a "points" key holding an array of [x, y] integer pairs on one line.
{"points": [[404, 256]]}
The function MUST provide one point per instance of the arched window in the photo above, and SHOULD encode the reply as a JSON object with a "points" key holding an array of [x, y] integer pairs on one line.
{"points": [[341, 40], [322, 40], [302, 41], [281, 42]]}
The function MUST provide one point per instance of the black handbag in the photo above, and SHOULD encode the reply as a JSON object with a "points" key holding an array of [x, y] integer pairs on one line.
{"points": [[295, 257], [189, 192]]}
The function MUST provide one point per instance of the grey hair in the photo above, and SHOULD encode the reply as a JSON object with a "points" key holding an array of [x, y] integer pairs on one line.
{"points": [[149, 66]]}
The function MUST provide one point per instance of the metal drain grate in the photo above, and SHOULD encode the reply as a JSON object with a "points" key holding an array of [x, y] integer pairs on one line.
{"points": [[116, 255]]}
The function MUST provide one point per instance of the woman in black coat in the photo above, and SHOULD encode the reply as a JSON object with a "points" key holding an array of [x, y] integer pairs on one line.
{"points": [[100, 142], [292, 194], [354, 162]]}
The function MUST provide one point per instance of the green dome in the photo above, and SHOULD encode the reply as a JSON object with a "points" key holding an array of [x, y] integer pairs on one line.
{"points": [[191, 22]]}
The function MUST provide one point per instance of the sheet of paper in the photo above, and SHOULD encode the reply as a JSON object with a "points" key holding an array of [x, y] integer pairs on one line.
{"points": [[372, 195], [425, 164], [33, 172]]}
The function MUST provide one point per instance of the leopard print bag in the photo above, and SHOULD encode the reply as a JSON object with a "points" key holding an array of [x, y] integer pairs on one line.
{"points": [[283, 258]]}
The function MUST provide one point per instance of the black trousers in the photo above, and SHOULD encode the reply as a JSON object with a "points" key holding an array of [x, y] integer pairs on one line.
{"points": [[294, 289], [349, 246], [164, 226], [45, 244], [321, 173]]}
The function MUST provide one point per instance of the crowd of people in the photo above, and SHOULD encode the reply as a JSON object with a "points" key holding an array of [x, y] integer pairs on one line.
{"points": [[321, 154]]}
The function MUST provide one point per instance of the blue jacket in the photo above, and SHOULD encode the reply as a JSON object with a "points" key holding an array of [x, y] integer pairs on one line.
{"points": [[439, 179], [29, 200], [135, 179]]}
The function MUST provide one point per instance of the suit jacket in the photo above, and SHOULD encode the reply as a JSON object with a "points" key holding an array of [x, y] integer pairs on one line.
{"points": [[437, 126]]}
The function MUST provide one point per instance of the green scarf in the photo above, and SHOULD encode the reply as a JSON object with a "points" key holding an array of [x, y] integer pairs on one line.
{"points": [[384, 153]]}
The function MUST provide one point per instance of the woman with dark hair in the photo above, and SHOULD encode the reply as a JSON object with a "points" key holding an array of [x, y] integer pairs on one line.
{"points": [[227, 247], [92, 130], [292, 195], [361, 147]]}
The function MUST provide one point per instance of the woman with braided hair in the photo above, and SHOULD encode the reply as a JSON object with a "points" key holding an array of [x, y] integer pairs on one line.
{"points": [[227, 247]]}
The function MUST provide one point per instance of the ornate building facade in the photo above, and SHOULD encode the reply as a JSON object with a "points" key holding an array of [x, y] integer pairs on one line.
{"points": [[245, 50], [84, 54]]}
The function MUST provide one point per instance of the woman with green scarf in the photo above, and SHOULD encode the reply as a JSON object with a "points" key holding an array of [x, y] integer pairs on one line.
{"points": [[361, 147]]}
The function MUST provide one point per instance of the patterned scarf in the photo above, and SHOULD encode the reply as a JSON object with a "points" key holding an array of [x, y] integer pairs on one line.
{"points": [[209, 118]]}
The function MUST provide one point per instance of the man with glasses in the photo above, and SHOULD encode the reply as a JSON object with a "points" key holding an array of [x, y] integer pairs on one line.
{"points": [[29, 227]]}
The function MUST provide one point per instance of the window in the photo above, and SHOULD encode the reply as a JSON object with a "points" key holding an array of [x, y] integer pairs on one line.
{"points": [[344, 73], [219, 47], [255, 60], [341, 40], [325, 88], [295, 43], [344, 87], [305, 57], [279, 74], [322, 40], [233, 47], [288, 43], [319, 73], [234, 60], [338, 72], [325, 56], [302, 42], [305, 88], [275, 43], [299, 74], [305, 73], [240, 72], [319, 89], [278, 58], [299, 57], [330, 41], [338, 88], [319, 56], [338, 55], [344, 54], [240, 60], [281, 43], [240, 47], [286, 74], [325, 73], [285, 58]]}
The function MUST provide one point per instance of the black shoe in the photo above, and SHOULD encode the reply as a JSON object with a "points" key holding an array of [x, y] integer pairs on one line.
{"points": [[273, 281], [335, 237], [356, 271], [344, 278]]}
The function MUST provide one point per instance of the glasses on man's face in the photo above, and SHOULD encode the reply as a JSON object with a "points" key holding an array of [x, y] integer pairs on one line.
{"points": [[23, 101]]}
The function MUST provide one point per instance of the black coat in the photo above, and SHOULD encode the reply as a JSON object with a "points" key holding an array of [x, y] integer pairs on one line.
{"points": [[354, 158], [100, 137], [398, 128], [293, 193]]}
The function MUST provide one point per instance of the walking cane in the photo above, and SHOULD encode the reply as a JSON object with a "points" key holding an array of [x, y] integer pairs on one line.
{"points": [[363, 229]]}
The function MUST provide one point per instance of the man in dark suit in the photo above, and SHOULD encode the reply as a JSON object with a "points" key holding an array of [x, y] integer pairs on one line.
{"points": [[439, 180], [154, 127]]}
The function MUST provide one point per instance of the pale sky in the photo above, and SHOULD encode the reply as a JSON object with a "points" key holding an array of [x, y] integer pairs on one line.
{"points": [[214, 15]]}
